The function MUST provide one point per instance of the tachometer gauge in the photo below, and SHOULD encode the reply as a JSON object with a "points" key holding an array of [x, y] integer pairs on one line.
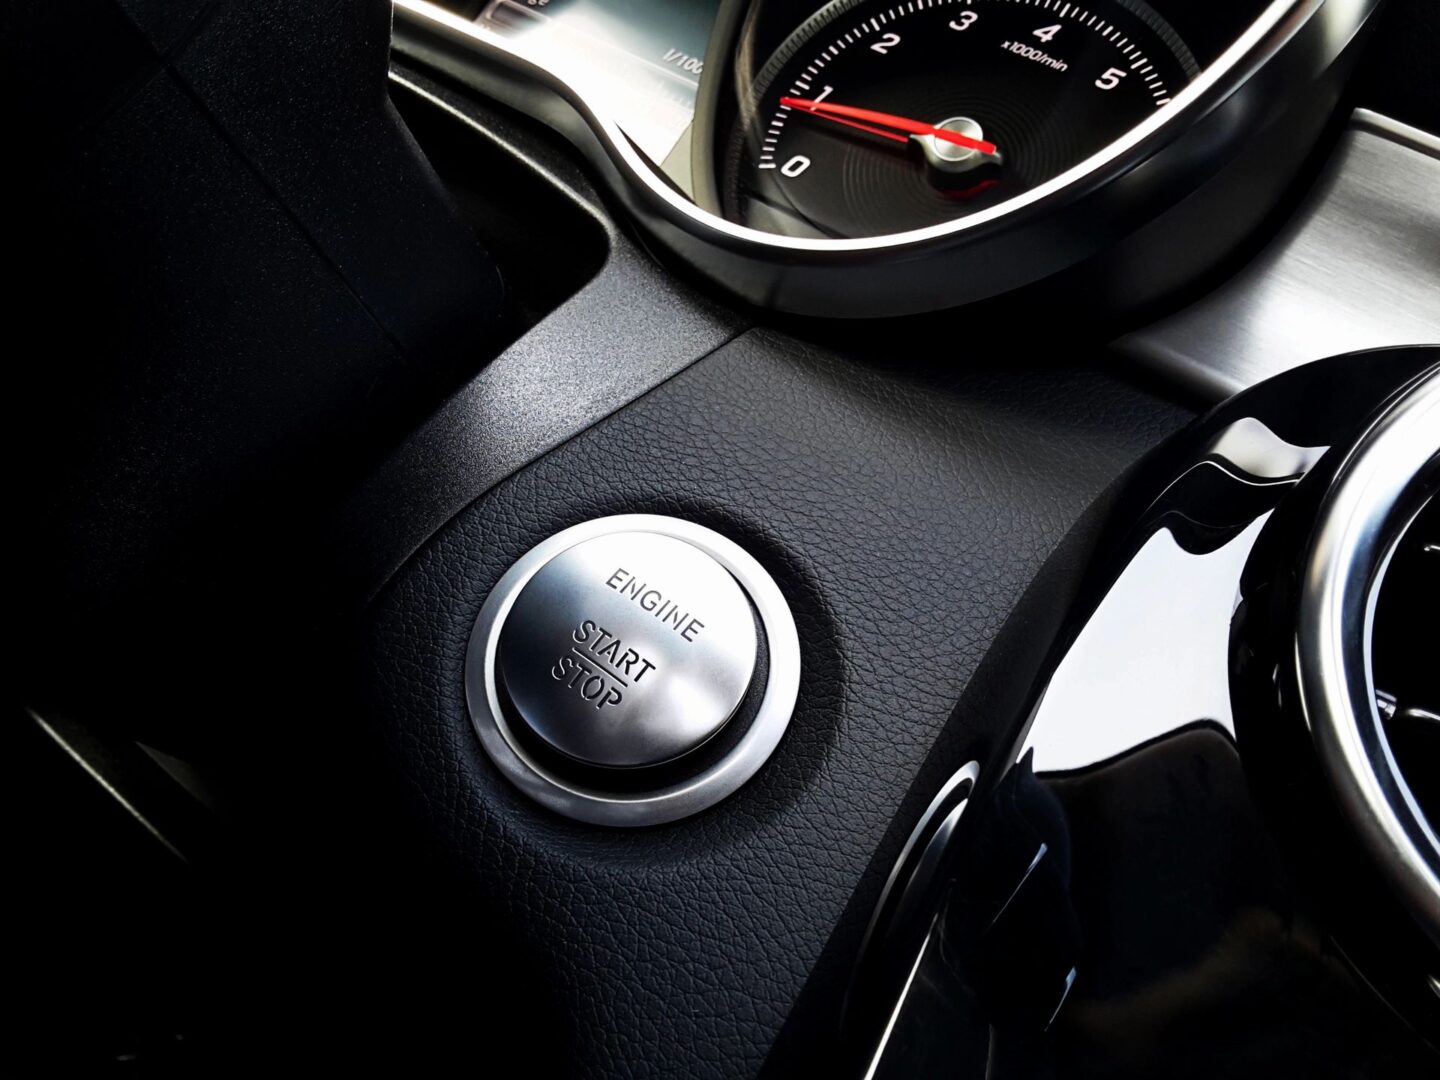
{"points": [[881, 116]]}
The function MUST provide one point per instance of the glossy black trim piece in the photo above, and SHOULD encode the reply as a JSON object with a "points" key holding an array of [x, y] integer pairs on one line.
{"points": [[1221, 912]]}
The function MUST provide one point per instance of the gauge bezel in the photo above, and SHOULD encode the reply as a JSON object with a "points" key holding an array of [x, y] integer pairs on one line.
{"points": [[1290, 45]]}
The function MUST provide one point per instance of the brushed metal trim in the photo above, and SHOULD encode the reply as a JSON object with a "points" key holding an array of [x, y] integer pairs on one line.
{"points": [[1356, 268], [595, 806], [942, 265], [1353, 540]]}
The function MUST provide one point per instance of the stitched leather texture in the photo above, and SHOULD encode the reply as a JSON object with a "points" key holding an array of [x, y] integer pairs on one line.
{"points": [[903, 513]]}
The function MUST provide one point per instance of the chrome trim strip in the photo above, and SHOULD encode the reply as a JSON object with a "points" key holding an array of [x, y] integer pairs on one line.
{"points": [[913, 876], [679, 800], [97, 774], [1356, 533], [900, 1002], [1397, 131], [967, 774], [175, 810]]}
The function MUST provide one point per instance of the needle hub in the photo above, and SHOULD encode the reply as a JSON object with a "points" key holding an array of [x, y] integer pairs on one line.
{"points": [[951, 157]]}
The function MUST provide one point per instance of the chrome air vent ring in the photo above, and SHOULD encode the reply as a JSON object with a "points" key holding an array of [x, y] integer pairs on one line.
{"points": [[1384, 481]]}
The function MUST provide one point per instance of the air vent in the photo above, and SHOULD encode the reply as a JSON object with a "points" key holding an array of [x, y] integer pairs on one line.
{"points": [[1405, 647], [1369, 580]]}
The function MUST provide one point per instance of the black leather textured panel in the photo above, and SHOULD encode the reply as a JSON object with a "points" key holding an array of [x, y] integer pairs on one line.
{"points": [[903, 515]]}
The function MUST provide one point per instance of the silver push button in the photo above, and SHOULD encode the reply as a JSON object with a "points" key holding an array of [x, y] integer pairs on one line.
{"points": [[628, 649]]}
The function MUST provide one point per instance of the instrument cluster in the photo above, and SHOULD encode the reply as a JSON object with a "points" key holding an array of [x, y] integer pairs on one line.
{"points": [[859, 158]]}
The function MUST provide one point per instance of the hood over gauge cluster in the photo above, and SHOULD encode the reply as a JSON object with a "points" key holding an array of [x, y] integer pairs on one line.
{"points": [[867, 158], [882, 116]]}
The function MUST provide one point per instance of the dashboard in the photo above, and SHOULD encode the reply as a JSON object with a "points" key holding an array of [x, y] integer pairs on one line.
{"points": [[726, 538]]}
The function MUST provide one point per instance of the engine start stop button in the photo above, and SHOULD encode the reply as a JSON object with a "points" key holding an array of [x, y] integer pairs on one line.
{"points": [[628, 642], [628, 649]]}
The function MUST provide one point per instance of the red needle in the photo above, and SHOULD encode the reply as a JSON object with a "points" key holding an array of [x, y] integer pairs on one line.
{"points": [[900, 123], [863, 127]]}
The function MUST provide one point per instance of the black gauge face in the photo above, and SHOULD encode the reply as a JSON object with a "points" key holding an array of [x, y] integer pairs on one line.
{"points": [[881, 116]]}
